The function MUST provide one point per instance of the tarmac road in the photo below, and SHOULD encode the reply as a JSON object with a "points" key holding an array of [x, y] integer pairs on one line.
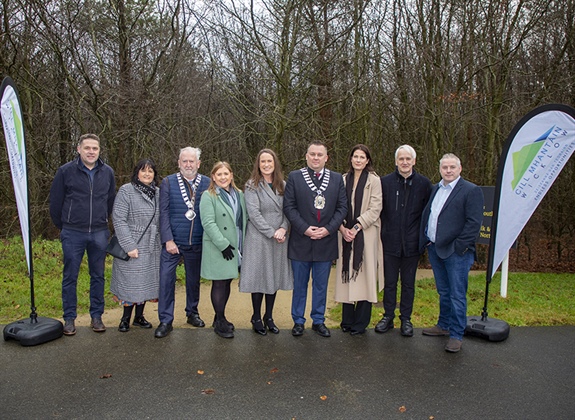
{"points": [[194, 374]]}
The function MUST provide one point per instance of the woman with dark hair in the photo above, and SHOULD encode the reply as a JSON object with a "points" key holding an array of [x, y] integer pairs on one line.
{"points": [[224, 218], [266, 268], [136, 218], [360, 264]]}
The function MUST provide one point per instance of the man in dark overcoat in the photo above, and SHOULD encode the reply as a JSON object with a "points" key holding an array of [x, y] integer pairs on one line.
{"points": [[405, 194], [315, 203]]}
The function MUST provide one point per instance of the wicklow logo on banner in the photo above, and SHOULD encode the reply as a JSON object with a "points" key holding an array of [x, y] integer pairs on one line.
{"points": [[535, 165], [533, 156]]}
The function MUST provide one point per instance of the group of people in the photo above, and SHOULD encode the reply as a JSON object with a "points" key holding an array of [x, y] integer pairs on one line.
{"points": [[274, 235]]}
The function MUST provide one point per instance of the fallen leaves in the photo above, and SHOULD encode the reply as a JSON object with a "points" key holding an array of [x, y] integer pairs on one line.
{"points": [[200, 372], [402, 409], [274, 370], [106, 376], [208, 391], [323, 397]]}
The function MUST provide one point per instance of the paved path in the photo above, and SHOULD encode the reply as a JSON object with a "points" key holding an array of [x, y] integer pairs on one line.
{"points": [[194, 374], [238, 309]]}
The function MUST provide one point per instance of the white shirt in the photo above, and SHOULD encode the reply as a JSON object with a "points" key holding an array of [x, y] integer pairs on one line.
{"points": [[320, 173], [437, 205]]}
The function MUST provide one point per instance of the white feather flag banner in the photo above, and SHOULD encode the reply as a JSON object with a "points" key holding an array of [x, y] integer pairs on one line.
{"points": [[536, 151]]}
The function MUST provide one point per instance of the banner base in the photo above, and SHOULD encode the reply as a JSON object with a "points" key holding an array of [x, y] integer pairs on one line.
{"points": [[489, 328], [32, 333]]}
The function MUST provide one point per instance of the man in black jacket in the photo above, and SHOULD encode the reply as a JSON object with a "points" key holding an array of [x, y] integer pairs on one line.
{"points": [[405, 194], [81, 201]]}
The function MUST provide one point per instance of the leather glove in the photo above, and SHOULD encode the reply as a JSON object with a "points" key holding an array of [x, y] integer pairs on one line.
{"points": [[228, 253]]}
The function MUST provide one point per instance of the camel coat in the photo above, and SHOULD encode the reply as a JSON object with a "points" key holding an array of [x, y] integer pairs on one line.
{"points": [[365, 286]]}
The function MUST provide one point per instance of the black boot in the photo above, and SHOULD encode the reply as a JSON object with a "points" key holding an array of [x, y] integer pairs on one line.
{"points": [[125, 321], [139, 320]]}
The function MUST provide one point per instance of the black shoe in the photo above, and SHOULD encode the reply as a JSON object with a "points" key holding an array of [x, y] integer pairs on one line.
{"points": [[345, 328], [230, 325], [321, 329], [406, 328], [196, 321], [124, 325], [141, 322], [297, 330], [272, 326], [163, 330], [222, 329], [258, 327], [384, 325], [357, 332], [69, 327]]}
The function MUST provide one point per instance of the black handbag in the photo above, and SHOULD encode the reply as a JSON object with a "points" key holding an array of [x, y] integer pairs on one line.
{"points": [[114, 248]]}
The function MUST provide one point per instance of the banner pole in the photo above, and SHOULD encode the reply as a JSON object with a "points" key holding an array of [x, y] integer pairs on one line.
{"points": [[504, 275]]}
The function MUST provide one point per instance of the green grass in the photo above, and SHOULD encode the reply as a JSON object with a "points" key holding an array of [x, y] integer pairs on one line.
{"points": [[15, 300], [533, 299]]}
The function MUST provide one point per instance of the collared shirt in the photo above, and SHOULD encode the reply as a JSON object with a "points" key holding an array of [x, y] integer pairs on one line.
{"points": [[314, 173], [89, 171], [437, 205]]}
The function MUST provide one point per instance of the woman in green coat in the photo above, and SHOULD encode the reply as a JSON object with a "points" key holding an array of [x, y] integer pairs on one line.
{"points": [[224, 218]]}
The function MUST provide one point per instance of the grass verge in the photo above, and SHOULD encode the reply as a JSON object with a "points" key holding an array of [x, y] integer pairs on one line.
{"points": [[15, 299], [533, 298]]}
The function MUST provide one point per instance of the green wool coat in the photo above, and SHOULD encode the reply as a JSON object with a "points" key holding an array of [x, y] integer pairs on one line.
{"points": [[219, 225]]}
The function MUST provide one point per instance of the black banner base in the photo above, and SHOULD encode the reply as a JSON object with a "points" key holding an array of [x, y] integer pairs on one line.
{"points": [[30, 333], [489, 329]]}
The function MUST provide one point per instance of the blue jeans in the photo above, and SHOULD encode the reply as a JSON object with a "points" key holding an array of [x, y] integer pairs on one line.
{"points": [[168, 263], [74, 244], [320, 276], [451, 278]]}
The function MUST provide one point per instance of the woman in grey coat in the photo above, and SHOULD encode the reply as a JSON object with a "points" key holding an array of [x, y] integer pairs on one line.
{"points": [[137, 280], [266, 268]]}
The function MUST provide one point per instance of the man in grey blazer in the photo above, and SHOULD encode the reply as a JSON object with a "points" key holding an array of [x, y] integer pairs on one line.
{"points": [[315, 203], [449, 228]]}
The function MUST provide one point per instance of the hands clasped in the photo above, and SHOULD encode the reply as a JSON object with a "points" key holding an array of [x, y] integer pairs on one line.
{"points": [[280, 235], [315, 232]]}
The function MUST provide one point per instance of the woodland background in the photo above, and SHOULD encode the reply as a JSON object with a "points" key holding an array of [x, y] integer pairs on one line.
{"points": [[232, 77]]}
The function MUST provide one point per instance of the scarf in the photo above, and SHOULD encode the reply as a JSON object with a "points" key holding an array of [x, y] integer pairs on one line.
{"points": [[232, 199], [148, 190], [353, 213]]}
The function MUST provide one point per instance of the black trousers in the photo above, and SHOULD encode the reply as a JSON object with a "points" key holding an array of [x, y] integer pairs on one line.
{"points": [[393, 267], [356, 316]]}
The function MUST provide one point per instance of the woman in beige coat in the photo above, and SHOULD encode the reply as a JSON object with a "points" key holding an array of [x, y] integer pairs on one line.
{"points": [[360, 265]]}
